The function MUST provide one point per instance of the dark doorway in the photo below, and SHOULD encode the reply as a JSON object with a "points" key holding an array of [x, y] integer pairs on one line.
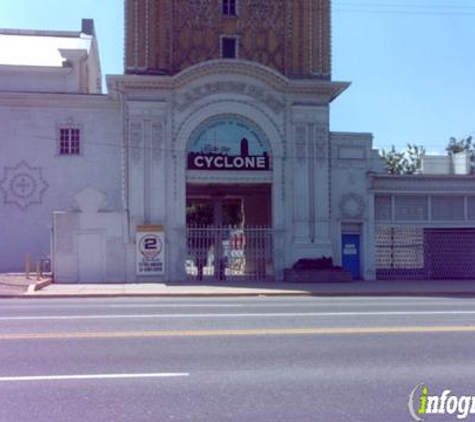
{"points": [[229, 233]]}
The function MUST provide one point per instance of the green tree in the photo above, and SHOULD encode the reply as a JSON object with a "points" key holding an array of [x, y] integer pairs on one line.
{"points": [[459, 145], [406, 161]]}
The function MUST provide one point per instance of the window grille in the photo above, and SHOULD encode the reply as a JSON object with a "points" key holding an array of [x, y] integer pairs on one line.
{"points": [[448, 208], [382, 208], [411, 208], [471, 207], [69, 141], [399, 248]]}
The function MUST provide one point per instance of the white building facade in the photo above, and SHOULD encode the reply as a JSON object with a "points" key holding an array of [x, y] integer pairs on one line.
{"points": [[225, 169]]}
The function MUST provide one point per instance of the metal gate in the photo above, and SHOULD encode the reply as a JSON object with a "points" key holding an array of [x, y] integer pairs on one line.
{"points": [[229, 253], [425, 253], [450, 253], [400, 253]]}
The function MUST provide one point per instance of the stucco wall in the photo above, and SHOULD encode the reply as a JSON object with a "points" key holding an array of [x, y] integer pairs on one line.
{"points": [[35, 180]]}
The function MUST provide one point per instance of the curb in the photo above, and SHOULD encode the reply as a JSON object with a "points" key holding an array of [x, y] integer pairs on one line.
{"points": [[32, 295], [32, 288]]}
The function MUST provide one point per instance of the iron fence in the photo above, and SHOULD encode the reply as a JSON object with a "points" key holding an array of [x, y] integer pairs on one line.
{"points": [[229, 253]]}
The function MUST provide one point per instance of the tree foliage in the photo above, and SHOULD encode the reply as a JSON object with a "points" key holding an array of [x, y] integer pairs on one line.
{"points": [[406, 161], [459, 145]]}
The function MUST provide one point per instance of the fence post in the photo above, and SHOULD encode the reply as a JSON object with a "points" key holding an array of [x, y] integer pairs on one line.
{"points": [[38, 271], [27, 266]]}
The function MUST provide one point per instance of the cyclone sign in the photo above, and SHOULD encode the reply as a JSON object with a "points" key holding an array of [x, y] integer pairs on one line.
{"points": [[150, 241], [229, 143]]}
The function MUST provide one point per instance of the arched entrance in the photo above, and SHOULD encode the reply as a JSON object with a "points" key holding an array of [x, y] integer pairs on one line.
{"points": [[229, 202]]}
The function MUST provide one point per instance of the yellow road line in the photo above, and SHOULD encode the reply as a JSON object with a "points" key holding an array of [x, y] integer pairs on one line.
{"points": [[244, 332]]}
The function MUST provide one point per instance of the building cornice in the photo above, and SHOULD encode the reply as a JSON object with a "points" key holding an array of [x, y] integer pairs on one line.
{"points": [[229, 68], [42, 33], [351, 135], [31, 68], [416, 184], [56, 100]]}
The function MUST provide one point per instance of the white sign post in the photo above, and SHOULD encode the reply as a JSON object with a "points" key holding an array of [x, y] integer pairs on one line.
{"points": [[150, 241]]}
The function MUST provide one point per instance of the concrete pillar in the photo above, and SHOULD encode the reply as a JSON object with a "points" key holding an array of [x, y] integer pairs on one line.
{"points": [[311, 182]]}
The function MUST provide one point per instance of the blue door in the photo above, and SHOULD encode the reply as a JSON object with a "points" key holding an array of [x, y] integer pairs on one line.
{"points": [[350, 254]]}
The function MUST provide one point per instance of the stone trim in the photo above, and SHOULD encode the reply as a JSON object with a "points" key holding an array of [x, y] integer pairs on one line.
{"points": [[62, 101], [422, 183]]}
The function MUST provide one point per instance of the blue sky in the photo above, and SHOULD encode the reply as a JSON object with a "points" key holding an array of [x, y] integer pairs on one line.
{"points": [[411, 62]]}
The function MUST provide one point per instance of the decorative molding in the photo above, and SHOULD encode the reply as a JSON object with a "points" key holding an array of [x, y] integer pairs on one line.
{"points": [[321, 44], [300, 42], [91, 200], [199, 13], [136, 141], [312, 87], [157, 141], [62, 101], [312, 178], [422, 183], [261, 14], [229, 176], [310, 36], [347, 165], [352, 205], [300, 143], [186, 99], [136, 34], [147, 33], [345, 152], [321, 136], [351, 178], [23, 185]]}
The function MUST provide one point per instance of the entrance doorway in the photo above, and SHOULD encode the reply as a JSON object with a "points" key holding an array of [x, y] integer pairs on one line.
{"points": [[350, 254], [229, 232]]}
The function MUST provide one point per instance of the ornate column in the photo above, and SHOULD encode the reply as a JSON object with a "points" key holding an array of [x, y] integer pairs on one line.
{"points": [[311, 182]]}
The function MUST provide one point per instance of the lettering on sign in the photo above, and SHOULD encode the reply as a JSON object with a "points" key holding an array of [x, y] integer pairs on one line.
{"points": [[350, 249], [229, 144], [150, 242]]}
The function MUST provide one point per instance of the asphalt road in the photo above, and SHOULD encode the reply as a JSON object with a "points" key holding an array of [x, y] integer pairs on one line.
{"points": [[246, 359]]}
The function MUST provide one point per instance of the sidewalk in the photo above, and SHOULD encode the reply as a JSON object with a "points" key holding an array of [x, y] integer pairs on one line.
{"points": [[18, 286]]}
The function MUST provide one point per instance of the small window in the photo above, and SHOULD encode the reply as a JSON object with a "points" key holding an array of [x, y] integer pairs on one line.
{"points": [[228, 48], [69, 141], [229, 7]]}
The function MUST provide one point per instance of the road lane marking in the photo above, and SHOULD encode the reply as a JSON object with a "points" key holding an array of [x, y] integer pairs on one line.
{"points": [[239, 332], [92, 377], [250, 302], [233, 315]]}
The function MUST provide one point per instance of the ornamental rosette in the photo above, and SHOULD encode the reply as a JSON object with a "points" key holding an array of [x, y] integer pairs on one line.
{"points": [[352, 206], [23, 185]]}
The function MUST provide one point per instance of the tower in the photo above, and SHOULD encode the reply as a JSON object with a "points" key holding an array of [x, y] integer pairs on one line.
{"points": [[165, 37]]}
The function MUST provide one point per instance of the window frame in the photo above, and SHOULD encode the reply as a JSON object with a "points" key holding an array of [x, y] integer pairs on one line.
{"points": [[222, 39], [70, 142], [229, 8]]}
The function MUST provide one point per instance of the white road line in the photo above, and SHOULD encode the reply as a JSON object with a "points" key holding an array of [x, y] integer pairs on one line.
{"points": [[234, 315], [92, 377], [260, 302], [185, 305]]}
